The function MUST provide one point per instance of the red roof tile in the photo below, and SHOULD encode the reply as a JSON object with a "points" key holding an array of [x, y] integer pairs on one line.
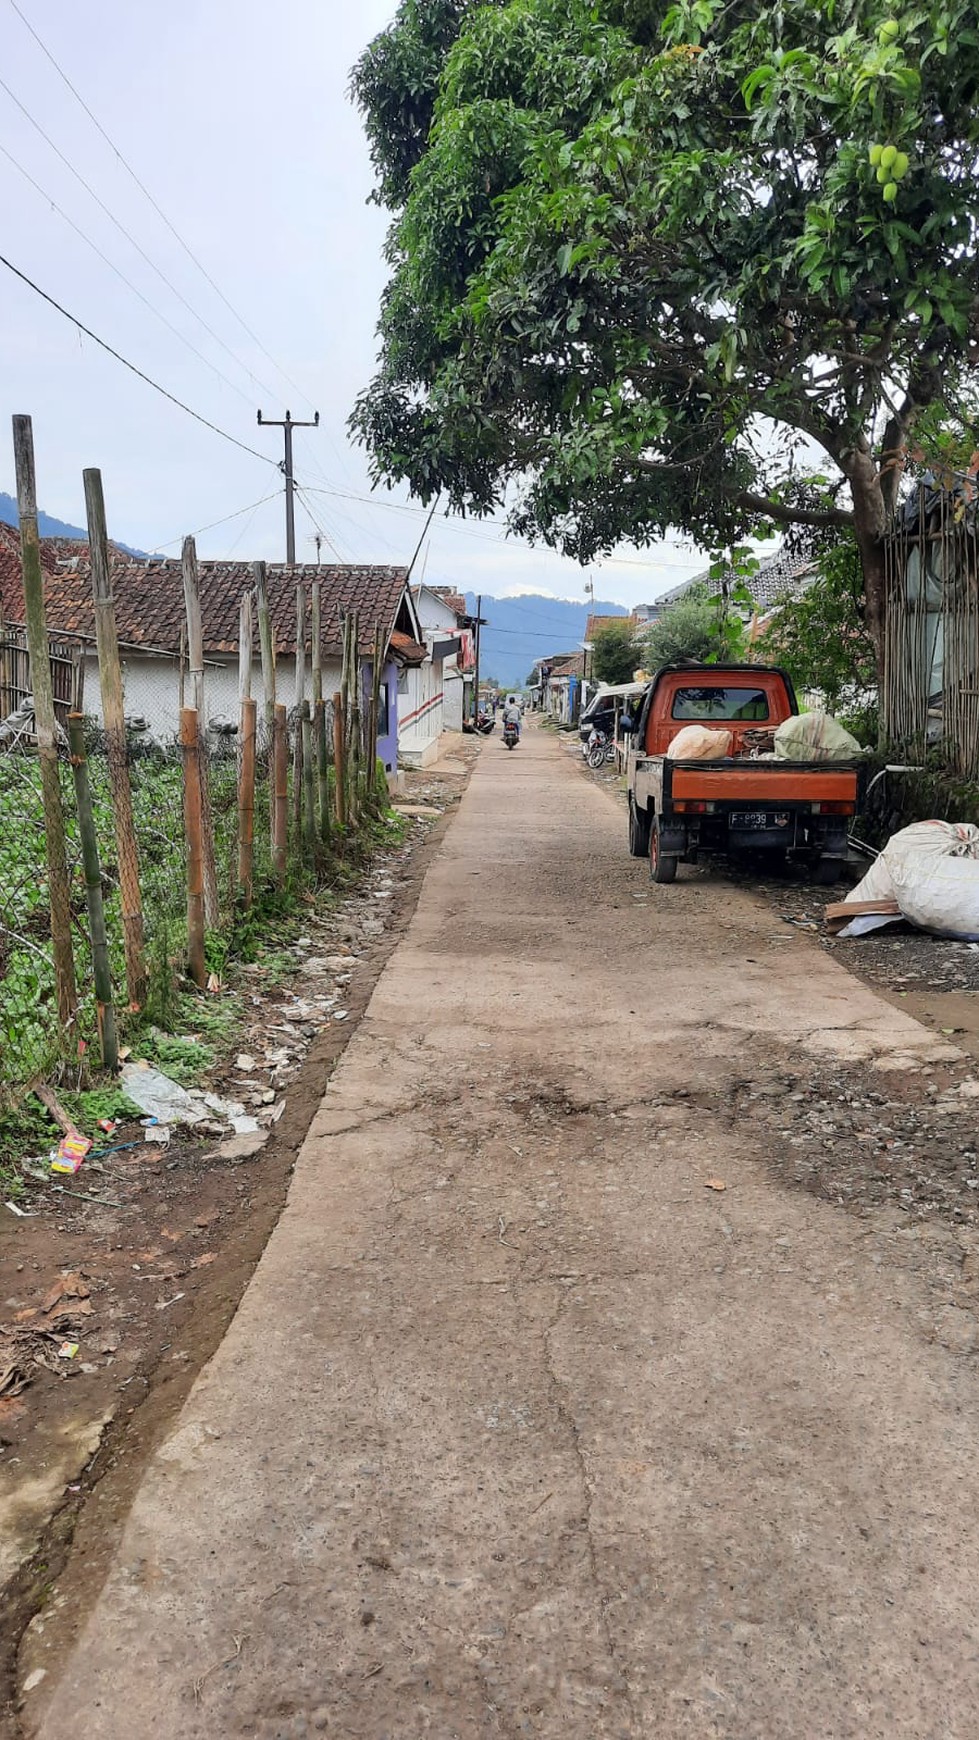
{"points": [[149, 598]]}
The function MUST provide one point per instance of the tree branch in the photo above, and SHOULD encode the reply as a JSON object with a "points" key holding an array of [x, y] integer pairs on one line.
{"points": [[786, 515]]}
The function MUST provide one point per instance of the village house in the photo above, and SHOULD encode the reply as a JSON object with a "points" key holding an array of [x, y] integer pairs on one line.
{"points": [[447, 631], [150, 616]]}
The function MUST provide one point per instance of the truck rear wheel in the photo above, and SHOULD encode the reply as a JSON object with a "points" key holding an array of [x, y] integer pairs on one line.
{"points": [[662, 865], [639, 826]]}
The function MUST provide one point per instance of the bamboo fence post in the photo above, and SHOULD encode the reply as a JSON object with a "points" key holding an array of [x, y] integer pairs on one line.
{"points": [[309, 794], [104, 1012], [267, 652], [374, 713], [110, 683], [246, 801], [319, 716], [299, 698], [280, 801], [355, 722], [195, 650], [340, 759], [193, 822], [45, 725], [245, 648], [77, 681]]}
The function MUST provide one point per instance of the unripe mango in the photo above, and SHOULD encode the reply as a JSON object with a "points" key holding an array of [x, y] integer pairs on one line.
{"points": [[888, 156], [889, 31], [875, 155], [890, 192], [883, 175], [900, 166]]}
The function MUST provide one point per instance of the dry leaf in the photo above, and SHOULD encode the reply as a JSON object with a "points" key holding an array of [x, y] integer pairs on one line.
{"points": [[65, 1287], [715, 1184]]}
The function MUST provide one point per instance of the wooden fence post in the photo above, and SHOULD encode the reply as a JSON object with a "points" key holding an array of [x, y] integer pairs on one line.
{"points": [[319, 716], [193, 818], [59, 898], [110, 682], [246, 801], [245, 647], [195, 650], [101, 973], [280, 788], [340, 759], [299, 699]]}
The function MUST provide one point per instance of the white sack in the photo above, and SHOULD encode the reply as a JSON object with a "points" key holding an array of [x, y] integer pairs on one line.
{"points": [[814, 737], [699, 743], [932, 870]]}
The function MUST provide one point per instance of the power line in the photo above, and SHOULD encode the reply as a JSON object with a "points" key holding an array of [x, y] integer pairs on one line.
{"points": [[86, 238], [150, 382], [141, 251], [324, 535], [144, 190], [252, 506]]}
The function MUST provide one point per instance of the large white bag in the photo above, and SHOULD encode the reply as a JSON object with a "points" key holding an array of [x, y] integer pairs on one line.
{"points": [[932, 870], [814, 737], [700, 743]]}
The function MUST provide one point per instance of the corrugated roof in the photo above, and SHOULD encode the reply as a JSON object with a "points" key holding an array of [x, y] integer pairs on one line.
{"points": [[788, 573], [149, 597]]}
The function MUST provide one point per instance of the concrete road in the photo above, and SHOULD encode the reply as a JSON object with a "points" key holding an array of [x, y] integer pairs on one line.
{"points": [[522, 1430]]}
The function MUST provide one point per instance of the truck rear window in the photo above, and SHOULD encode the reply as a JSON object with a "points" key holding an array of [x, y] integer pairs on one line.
{"points": [[734, 705]]}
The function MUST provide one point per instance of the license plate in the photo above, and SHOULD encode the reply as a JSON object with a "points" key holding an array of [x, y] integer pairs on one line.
{"points": [[753, 819]]}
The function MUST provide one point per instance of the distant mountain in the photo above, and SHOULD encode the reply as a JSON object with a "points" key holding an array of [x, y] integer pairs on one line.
{"points": [[522, 630], [49, 527]]}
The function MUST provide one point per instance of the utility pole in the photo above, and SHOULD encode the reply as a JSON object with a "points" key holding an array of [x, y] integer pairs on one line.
{"points": [[288, 423], [478, 624]]}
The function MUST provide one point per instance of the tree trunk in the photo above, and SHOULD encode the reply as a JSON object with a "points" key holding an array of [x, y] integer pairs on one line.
{"points": [[869, 527]]}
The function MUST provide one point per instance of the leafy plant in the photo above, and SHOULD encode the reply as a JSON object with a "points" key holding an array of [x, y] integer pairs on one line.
{"points": [[822, 639], [615, 655]]}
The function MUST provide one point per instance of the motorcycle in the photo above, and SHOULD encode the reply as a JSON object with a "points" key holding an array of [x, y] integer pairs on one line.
{"points": [[485, 724], [511, 736]]}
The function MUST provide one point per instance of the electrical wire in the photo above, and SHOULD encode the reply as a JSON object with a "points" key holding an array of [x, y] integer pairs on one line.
{"points": [[141, 251], [161, 214], [120, 274], [328, 541], [251, 508], [150, 382]]}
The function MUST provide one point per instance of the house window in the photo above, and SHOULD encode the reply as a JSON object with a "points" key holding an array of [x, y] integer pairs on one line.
{"points": [[403, 680], [383, 719]]}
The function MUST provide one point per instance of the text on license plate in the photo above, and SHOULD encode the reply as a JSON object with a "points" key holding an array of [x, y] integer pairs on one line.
{"points": [[750, 819]]}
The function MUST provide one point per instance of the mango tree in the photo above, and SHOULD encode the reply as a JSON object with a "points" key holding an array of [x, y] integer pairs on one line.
{"points": [[707, 266]]}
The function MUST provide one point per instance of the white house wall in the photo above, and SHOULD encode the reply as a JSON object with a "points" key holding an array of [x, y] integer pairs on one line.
{"points": [[151, 688], [420, 713]]}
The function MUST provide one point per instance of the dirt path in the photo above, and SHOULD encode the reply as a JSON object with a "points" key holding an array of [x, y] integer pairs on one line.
{"points": [[525, 1428]]}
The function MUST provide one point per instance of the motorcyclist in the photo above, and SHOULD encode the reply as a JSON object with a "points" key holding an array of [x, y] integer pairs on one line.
{"points": [[511, 714]]}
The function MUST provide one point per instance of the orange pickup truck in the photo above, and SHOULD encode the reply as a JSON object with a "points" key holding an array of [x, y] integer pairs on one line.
{"points": [[744, 802]]}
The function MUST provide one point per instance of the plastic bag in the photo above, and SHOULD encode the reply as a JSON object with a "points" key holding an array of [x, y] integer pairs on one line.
{"points": [[699, 743], [814, 737]]}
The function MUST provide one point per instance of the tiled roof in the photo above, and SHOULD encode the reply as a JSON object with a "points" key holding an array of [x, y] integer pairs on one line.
{"points": [[452, 600], [149, 598], [596, 624], [787, 574], [406, 650]]}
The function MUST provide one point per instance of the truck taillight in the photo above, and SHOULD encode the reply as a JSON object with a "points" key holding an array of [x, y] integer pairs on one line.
{"points": [[689, 808], [833, 809]]}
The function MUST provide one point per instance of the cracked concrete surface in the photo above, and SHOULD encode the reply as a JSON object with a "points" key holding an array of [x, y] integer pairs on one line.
{"points": [[520, 1430]]}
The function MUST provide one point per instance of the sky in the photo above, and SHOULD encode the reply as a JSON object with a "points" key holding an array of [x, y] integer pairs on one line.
{"points": [[235, 117]]}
